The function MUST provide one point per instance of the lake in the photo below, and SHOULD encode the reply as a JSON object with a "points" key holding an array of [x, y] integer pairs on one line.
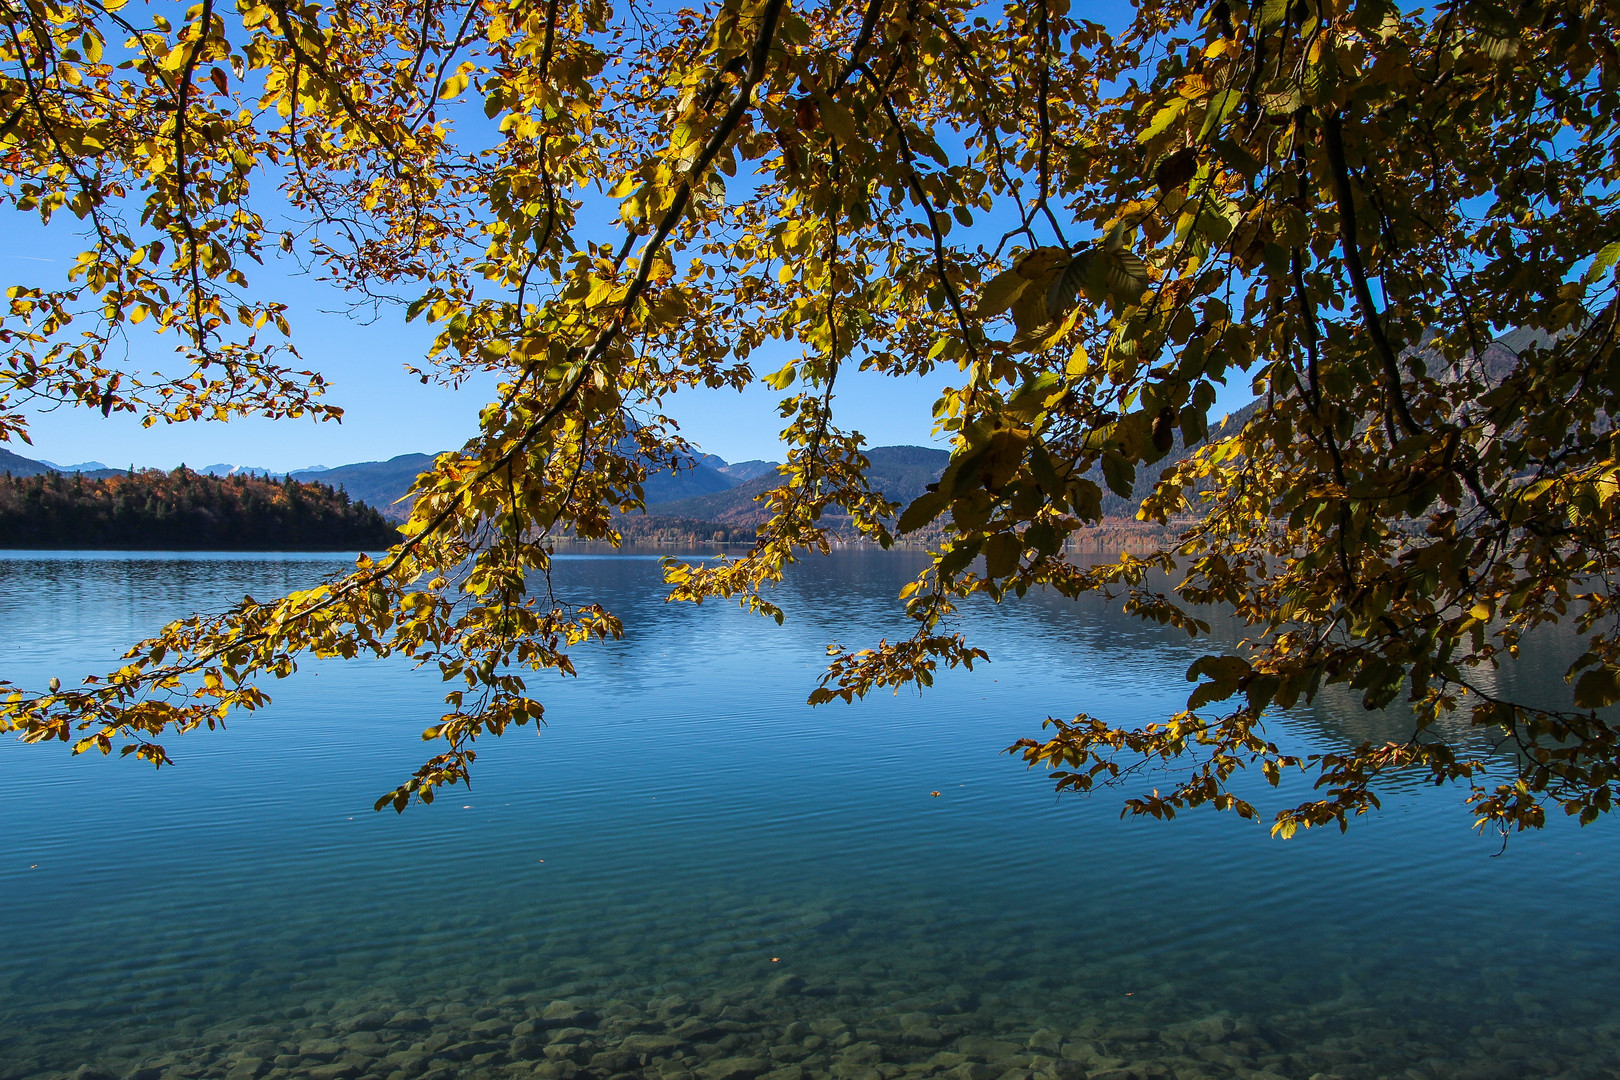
{"points": [[691, 874]]}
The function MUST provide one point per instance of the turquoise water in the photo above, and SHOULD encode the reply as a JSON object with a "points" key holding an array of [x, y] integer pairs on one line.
{"points": [[690, 874]]}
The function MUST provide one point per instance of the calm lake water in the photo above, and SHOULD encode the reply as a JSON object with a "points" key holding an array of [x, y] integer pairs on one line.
{"points": [[692, 874]]}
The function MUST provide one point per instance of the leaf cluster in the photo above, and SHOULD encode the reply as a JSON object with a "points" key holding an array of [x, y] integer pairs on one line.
{"points": [[1085, 233]]}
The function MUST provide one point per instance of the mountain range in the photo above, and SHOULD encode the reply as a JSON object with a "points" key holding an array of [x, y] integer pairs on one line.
{"points": [[17, 465], [707, 488], [383, 484], [20, 466]]}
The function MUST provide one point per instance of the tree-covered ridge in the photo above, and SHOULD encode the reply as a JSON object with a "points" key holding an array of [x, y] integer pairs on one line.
{"points": [[185, 510]]}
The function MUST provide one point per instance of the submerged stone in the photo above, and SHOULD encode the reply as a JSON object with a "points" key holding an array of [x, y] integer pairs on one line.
{"points": [[367, 1021], [734, 1068], [972, 1070], [990, 1049], [567, 1014], [650, 1044], [784, 985], [1046, 1041]]}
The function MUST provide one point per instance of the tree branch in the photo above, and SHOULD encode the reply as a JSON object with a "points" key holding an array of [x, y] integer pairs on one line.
{"points": [[1333, 140]]}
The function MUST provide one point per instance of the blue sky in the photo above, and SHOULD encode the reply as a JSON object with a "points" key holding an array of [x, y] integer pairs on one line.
{"points": [[386, 410], [389, 412]]}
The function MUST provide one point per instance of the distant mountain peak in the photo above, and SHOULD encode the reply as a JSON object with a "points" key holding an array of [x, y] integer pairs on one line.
{"points": [[741, 471]]}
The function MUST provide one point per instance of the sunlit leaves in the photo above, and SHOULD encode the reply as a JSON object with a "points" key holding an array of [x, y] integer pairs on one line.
{"points": [[1078, 236]]}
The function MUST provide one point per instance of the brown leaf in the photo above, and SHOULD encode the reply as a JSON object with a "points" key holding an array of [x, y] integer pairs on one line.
{"points": [[1164, 430], [1177, 169]]}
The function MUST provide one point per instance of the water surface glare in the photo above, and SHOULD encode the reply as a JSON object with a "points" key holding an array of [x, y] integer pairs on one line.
{"points": [[691, 875]]}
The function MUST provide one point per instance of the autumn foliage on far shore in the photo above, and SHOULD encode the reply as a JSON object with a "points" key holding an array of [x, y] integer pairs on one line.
{"points": [[182, 509]]}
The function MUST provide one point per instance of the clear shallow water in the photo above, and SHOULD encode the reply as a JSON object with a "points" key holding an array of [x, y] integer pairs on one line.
{"points": [[692, 874]]}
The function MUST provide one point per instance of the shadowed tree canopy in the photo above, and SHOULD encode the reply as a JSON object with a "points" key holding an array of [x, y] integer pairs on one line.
{"points": [[184, 510], [1086, 229]]}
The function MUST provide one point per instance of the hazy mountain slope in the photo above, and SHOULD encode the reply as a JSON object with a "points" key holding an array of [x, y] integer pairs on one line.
{"points": [[900, 472], [378, 483], [383, 483], [698, 478], [17, 465], [746, 470], [734, 506]]}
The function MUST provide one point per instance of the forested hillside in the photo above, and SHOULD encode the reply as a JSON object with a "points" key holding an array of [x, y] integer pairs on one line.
{"points": [[382, 484], [184, 510]]}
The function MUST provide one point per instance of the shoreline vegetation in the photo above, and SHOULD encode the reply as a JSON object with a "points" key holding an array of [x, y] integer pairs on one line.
{"points": [[709, 503], [1110, 536], [358, 507], [182, 509]]}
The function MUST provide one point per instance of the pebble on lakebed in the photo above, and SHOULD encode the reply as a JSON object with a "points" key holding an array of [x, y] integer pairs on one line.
{"points": [[929, 1009], [783, 1028]]}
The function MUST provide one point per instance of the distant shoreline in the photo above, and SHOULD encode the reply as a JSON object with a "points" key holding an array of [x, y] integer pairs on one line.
{"points": [[184, 510]]}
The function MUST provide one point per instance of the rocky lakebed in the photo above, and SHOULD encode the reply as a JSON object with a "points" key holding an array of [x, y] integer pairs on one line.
{"points": [[782, 1028]]}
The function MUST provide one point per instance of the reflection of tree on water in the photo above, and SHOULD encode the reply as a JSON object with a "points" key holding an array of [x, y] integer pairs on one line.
{"points": [[1336, 719], [1112, 665], [1535, 678]]}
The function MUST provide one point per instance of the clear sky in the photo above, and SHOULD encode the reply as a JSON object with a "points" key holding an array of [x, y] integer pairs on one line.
{"points": [[387, 411]]}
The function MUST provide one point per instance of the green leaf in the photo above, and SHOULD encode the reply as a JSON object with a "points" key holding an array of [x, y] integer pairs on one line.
{"points": [[1041, 467], [780, 380], [1163, 119], [1085, 497], [1029, 309], [1033, 397], [957, 557], [923, 509], [1238, 158], [836, 118], [1043, 537], [1037, 339], [1194, 425], [1282, 100], [1598, 688], [1065, 288], [1175, 170], [1369, 15], [1127, 276], [962, 475], [1119, 473], [1001, 554], [1601, 262], [999, 294], [1260, 690], [1225, 675]]}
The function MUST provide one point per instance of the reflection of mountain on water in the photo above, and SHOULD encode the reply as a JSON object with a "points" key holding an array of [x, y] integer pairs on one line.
{"points": [[1535, 678], [1082, 656], [1334, 721]]}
